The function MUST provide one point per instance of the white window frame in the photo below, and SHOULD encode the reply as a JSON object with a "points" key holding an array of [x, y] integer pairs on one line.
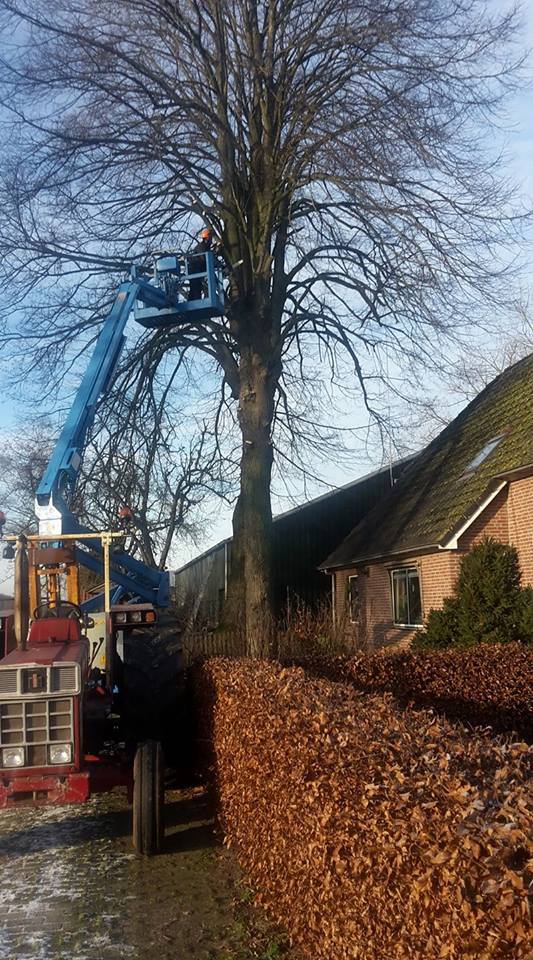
{"points": [[407, 569], [352, 619]]}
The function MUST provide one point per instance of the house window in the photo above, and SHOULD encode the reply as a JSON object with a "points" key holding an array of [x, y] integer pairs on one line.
{"points": [[354, 602], [406, 600], [482, 455]]}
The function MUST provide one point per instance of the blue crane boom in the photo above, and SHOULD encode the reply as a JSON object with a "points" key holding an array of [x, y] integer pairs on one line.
{"points": [[160, 301]]}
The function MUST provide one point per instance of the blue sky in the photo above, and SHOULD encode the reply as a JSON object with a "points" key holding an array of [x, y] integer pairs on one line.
{"points": [[518, 142], [519, 150]]}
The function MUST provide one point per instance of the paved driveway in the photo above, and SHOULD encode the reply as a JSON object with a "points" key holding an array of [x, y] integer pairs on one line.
{"points": [[71, 888]]}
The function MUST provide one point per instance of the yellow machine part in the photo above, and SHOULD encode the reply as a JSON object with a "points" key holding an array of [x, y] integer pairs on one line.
{"points": [[49, 570], [97, 641]]}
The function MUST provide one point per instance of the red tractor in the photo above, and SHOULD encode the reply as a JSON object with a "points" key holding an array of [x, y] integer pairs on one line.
{"points": [[69, 713], [60, 734]]}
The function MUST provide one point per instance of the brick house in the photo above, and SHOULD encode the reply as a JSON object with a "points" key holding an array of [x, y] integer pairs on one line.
{"points": [[474, 480]]}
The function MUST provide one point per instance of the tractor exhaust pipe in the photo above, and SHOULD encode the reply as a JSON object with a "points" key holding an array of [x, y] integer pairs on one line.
{"points": [[22, 593]]}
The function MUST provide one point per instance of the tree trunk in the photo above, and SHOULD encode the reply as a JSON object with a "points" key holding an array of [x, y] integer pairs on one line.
{"points": [[253, 515], [234, 613]]}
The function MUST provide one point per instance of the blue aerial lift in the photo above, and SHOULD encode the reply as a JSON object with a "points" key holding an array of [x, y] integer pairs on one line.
{"points": [[159, 299], [85, 706]]}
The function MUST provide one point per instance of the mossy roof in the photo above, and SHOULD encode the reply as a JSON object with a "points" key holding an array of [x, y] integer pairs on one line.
{"points": [[438, 492]]}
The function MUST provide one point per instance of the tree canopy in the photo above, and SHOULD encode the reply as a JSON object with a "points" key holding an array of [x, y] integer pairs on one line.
{"points": [[339, 150]]}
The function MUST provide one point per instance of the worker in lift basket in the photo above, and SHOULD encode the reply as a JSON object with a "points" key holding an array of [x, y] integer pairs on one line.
{"points": [[197, 263]]}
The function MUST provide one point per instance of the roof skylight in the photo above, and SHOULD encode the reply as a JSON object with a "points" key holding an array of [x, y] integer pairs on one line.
{"points": [[483, 454]]}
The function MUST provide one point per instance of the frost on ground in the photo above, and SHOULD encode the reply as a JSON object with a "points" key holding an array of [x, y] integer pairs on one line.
{"points": [[71, 887]]}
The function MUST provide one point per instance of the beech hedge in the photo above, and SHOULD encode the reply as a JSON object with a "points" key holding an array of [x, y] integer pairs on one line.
{"points": [[367, 830], [490, 685]]}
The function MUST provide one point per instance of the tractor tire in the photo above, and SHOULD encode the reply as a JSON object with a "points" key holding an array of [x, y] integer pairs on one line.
{"points": [[153, 684], [148, 798]]}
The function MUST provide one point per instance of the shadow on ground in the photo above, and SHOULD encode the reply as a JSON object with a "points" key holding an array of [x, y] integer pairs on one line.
{"points": [[183, 831], [71, 887]]}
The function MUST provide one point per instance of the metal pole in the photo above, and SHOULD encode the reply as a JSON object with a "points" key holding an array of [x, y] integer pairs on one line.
{"points": [[44, 538], [107, 584], [22, 593], [109, 648], [22, 612]]}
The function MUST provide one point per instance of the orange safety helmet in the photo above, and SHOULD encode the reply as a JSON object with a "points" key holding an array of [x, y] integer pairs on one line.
{"points": [[206, 234]]}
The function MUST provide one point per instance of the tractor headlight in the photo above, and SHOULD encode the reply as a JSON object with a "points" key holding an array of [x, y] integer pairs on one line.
{"points": [[136, 616], [13, 757], [121, 617], [60, 753]]}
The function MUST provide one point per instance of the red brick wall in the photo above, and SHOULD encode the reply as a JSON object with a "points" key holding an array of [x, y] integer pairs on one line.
{"points": [[375, 627], [340, 592], [520, 514], [492, 522], [508, 518], [439, 573]]}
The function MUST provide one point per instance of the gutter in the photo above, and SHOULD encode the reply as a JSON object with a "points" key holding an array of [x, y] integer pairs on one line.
{"points": [[452, 543], [381, 556], [518, 473]]}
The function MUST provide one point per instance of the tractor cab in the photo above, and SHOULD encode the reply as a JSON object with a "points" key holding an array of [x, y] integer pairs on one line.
{"points": [[58, 622]]}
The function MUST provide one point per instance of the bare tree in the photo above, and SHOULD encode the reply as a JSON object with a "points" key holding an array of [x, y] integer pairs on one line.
{"points": [[24, 456], [338, 149], [145, 453], [485, 360], [146, 466], [462, 377]]}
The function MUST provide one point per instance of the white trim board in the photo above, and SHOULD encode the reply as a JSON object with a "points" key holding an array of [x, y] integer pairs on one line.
{"points": [[453, 542]]}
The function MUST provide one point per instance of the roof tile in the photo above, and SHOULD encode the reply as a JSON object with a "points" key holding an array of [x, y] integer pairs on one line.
{"points": [[437, 492]]}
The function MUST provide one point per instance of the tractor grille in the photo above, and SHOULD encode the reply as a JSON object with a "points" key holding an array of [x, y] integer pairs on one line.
{"points": [[63, 679], [35, 724], [8, 681], [34, 681]]}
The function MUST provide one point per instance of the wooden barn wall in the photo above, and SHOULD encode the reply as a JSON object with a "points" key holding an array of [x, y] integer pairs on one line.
{"points": [[302, 539], [201, 585]]}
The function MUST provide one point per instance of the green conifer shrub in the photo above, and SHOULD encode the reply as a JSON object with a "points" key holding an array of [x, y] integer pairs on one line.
{"points": [[441, 628], [527, 615], [489, 605]]}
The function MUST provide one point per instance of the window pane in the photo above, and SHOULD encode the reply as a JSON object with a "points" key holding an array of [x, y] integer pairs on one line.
{"points": [[407, 602], [483, 454], [400, 597], [353, 598], [415, 602]]}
